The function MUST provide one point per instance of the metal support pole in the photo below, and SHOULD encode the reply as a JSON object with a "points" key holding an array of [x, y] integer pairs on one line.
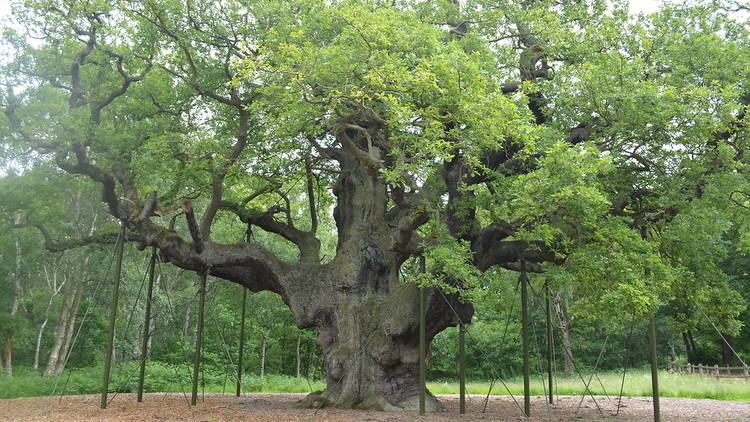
{"points": [[199, 340], [549, 341], [461, 368], [525, 335], [146, 324], [654, 368], [422, 342], [240, 365], [652, 347], [113, 316]]}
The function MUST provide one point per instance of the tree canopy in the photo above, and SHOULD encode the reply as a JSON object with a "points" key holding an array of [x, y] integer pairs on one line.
{"points": [[315, 147]]}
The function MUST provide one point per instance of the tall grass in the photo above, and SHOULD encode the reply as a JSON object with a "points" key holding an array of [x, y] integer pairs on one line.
{"points": [[162, 377], [637, 383]]}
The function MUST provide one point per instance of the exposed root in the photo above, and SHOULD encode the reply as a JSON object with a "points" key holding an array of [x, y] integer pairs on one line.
{"points": [[319, 400]]}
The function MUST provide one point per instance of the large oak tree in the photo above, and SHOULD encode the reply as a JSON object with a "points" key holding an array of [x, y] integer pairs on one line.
{"points": [[499, 133]]}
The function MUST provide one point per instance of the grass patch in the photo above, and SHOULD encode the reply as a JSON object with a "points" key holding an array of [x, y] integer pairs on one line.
{"points": [[162, 377], [637, 383]]}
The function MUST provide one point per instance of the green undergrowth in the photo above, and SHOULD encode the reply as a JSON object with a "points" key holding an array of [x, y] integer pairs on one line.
{"points": [[163, 377], [160, 377]]}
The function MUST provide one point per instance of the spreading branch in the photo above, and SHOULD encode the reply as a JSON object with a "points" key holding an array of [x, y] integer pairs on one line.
{"points": [[308, 244]]}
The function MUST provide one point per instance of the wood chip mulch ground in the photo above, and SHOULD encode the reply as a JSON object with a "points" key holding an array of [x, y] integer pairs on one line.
{"points": [[282, 407]]}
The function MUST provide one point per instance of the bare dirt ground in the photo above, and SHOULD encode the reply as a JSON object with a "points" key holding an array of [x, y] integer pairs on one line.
{"points": [[282, 407]]}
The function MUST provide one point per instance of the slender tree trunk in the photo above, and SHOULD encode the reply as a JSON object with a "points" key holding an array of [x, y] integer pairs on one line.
{"points": [[282, 353], [688, 349], [568, 364], [9, 356], [263, 344], [672, 351], [72, 291], [186, 323], [54, 354], [52, 282], [13, 312], [299, 361], [308, 362], [690, 338], [727, 353], [70, 328], [39, 340]]}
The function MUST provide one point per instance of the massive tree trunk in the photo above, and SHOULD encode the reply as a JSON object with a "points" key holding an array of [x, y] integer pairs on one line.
{"points": [[368, 319], [371, 348]]}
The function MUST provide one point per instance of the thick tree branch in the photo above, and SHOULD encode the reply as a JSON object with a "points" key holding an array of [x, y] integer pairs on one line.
{"points": [[217, 184], [76, 94], [84, 167], [248, 264], [311, 197], [193, 227], [333, 153], [17, 126], [371, 158], [58, 245], [148, 208], [308, 244], [127, 80]]}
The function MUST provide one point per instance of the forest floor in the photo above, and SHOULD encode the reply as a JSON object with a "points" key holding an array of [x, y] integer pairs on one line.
{"points": [[158, 407]]}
